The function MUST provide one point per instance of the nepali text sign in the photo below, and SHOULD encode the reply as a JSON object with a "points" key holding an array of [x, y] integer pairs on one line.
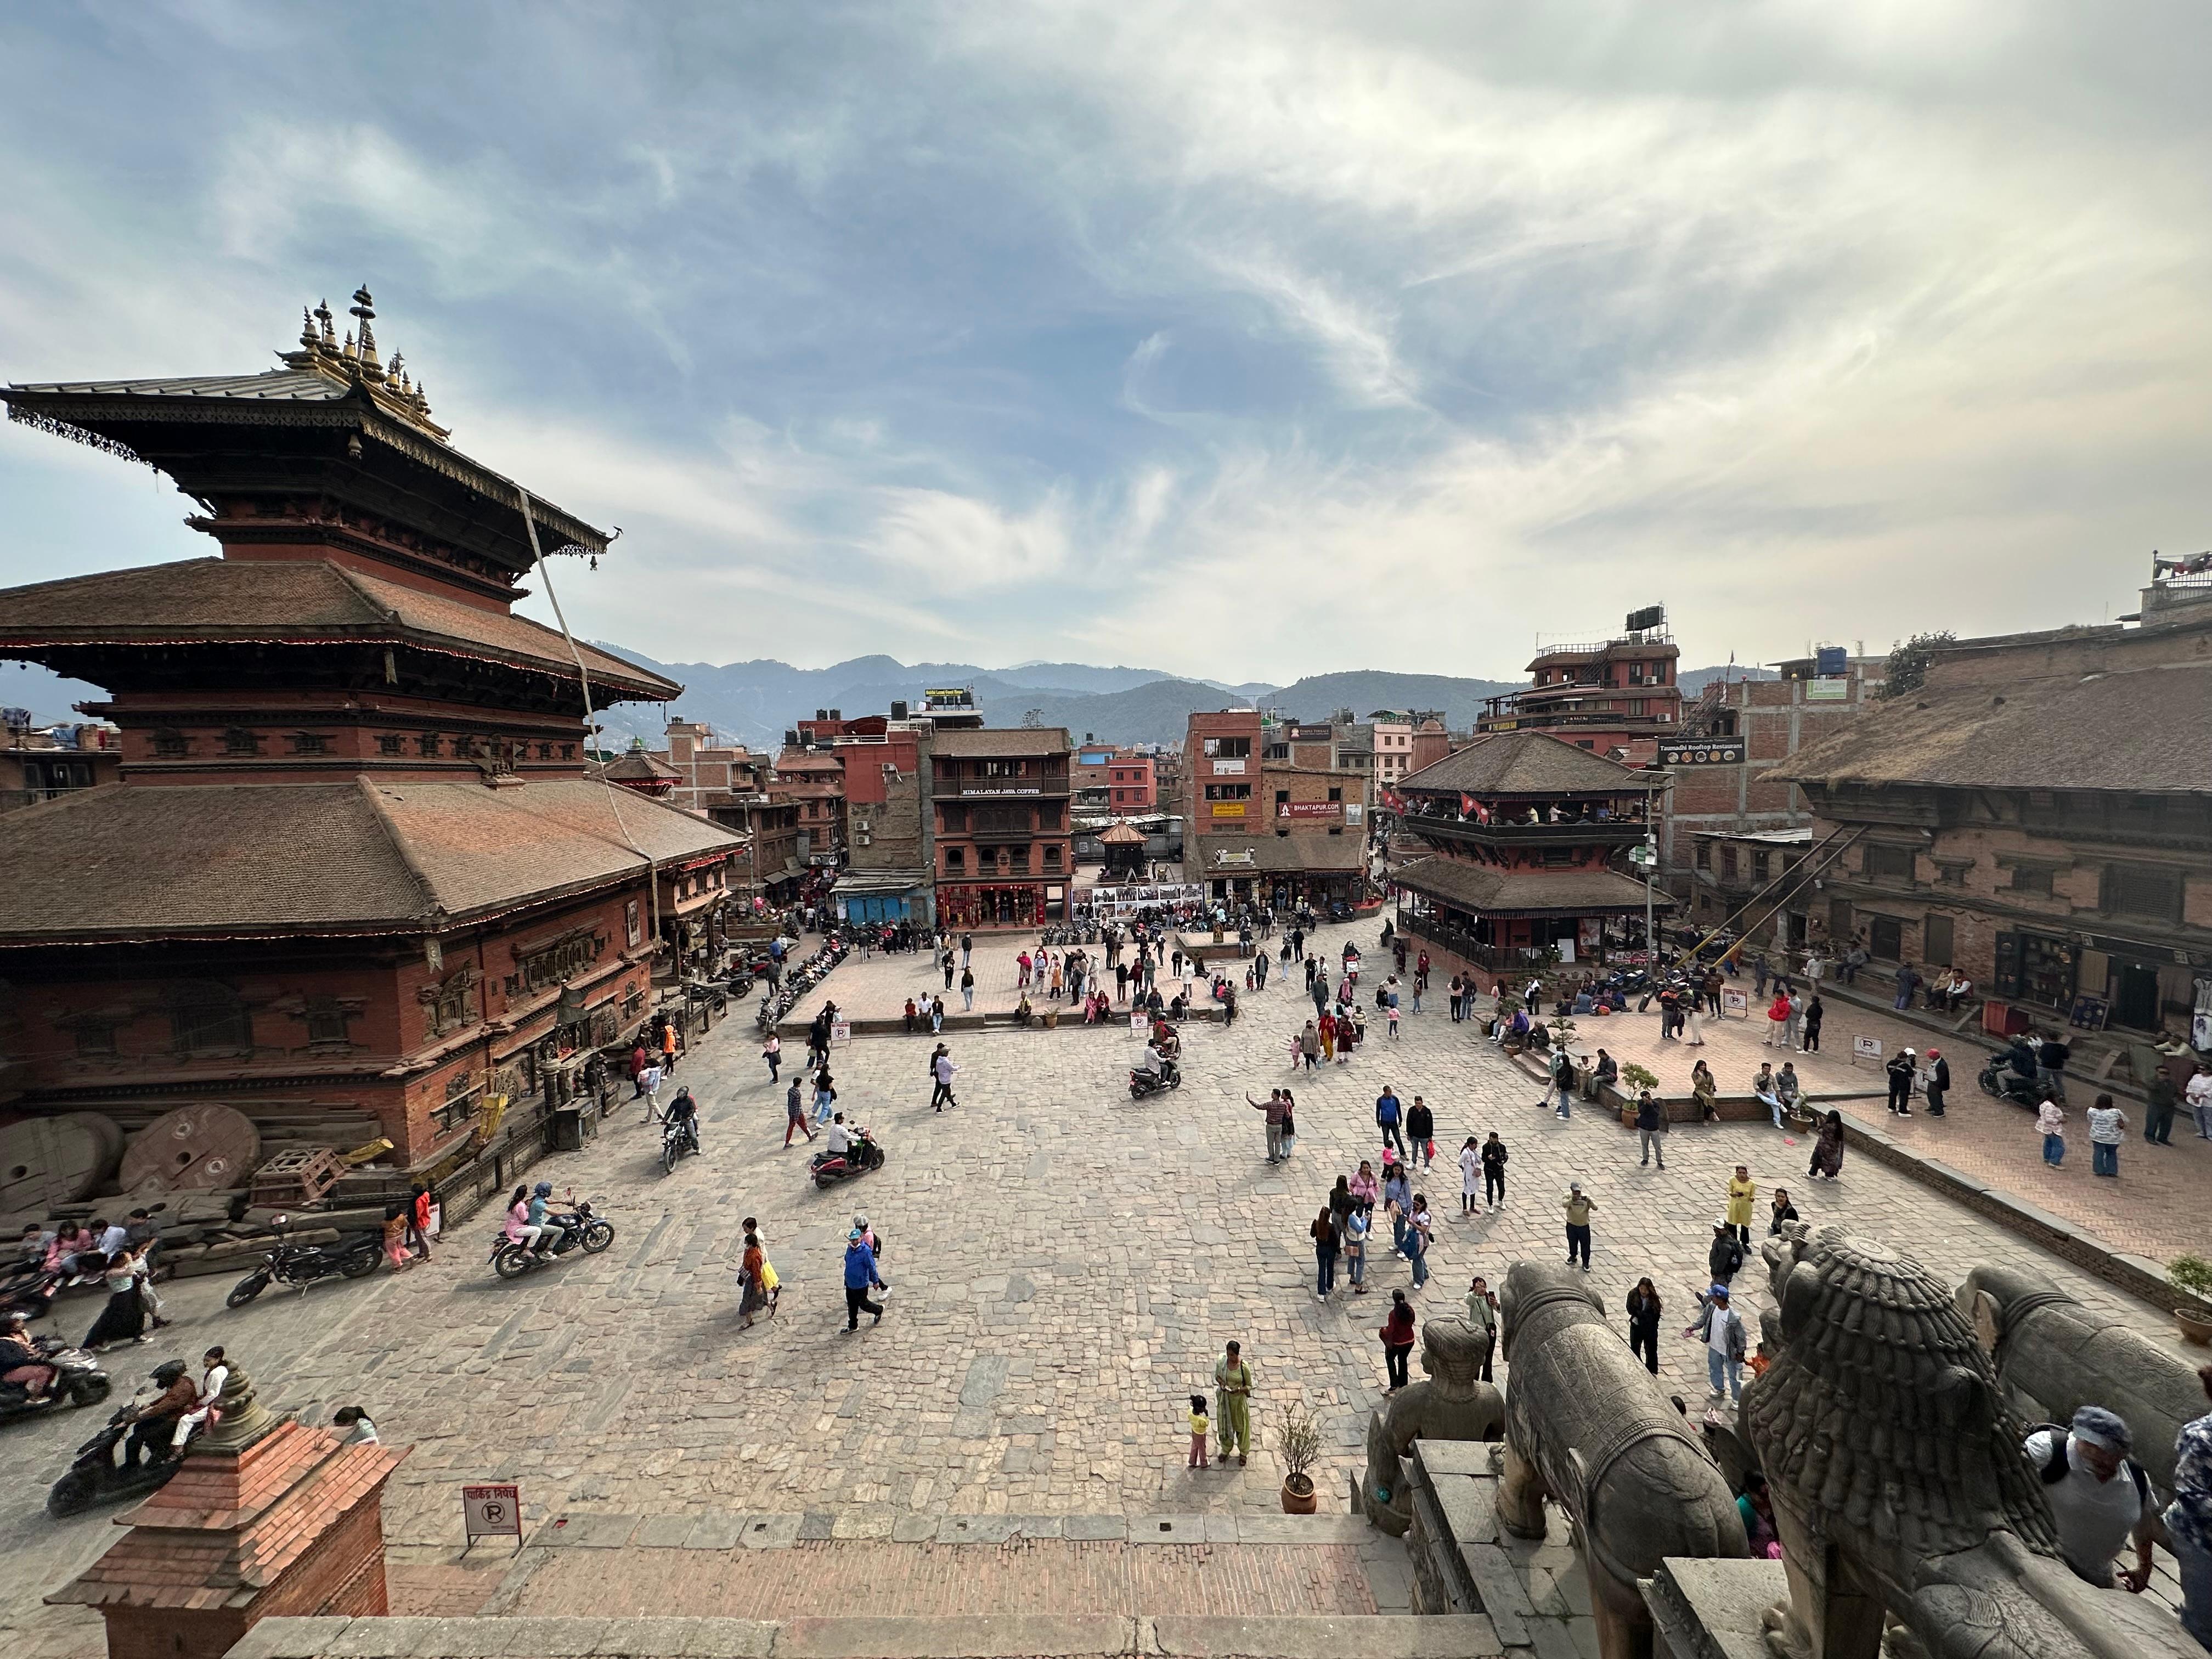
{"points": [[491, 1512], [1229, 809]]}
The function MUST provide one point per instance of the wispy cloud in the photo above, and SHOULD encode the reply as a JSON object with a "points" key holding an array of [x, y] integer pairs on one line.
{"points": [[1246, 340]]}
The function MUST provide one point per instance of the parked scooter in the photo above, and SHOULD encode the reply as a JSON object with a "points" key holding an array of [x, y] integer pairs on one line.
{"points": [[81, 1382], [829, 1168], [354, 1257], [578, 1230]]}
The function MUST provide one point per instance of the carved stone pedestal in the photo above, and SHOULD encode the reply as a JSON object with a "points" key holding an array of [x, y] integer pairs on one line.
{"points": [[264, 1517], [1712, 1608]]}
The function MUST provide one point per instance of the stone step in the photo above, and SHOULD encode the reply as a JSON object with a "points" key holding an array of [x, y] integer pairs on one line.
{"points": [[1017, 1636], [589, 1529]]}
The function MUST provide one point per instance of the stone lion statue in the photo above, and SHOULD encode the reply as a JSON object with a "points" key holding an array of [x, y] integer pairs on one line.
{"points": [[1899, 1483], [1455, 1403]]}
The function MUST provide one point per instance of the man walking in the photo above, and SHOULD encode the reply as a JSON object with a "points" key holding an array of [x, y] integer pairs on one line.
{"points": [[1939, 1081], [1276, 1111], [2158, 1122], [1721, 1329], [1494, 1156], [1650, 1128], [794, 1114], [941, 1070], [1232, 1403], [860, 1277], [1578, 1207], [1387, 1118], [1563, 1079], [1907, 982]]}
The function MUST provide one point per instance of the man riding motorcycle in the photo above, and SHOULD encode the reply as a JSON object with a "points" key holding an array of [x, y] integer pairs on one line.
{"points": [[1159, 1061], [684, 1116], [154, 1424]]}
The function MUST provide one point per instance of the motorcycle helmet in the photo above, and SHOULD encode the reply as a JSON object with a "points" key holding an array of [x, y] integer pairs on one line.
{"points": [[542, 1189], [166, 1374]]}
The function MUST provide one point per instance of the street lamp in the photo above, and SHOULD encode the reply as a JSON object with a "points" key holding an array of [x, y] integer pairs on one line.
{"points": [[1645, 857]]}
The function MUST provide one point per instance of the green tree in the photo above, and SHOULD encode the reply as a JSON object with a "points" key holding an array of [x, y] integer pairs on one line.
{"points": [[1908, 663]]}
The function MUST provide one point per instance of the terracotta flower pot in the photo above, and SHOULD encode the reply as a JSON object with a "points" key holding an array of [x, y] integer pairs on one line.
{"points": [[2195, 1326], [1299, 1496]]}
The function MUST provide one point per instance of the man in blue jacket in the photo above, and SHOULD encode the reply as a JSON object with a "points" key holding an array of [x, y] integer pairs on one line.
{"points": [[860, 1277], [1387, 1118]]}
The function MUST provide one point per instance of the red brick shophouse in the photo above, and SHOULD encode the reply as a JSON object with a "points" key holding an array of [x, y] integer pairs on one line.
{"points": [[354, 864], [1000, 799]]}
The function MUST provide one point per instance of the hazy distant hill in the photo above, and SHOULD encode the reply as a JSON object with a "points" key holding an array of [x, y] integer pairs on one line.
{"points": [[756, 702]]}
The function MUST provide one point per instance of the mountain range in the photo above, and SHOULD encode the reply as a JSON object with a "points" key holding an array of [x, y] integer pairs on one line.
{"points": [[756, 702]]}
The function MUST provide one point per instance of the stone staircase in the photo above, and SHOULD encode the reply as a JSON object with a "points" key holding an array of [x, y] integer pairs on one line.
{"points": [[854, 1585]]}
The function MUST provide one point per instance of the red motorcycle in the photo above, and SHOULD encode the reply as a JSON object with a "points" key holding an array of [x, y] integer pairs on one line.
{"points": [[829, 1168]]}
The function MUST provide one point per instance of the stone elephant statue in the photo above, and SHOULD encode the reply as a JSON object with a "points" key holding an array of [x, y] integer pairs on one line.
{"points": [[1455, 1403], [1587, 1425], [2054, 1354]]}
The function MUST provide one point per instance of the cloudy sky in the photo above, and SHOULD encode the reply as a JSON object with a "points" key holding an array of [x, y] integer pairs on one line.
{"points": [[1248, 342]]}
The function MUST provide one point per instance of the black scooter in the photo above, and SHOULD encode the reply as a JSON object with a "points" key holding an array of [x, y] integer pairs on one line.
{"points": [[99, 1477], [354, 1256], [2000, 1082], [80, 1382], [1143, 1083]]}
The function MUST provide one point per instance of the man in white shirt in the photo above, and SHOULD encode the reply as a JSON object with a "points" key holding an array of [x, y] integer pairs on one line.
{"points": [[113, 1237], [839, 1137], [218, 1373], [2198, 1093], [2097, 1496]]}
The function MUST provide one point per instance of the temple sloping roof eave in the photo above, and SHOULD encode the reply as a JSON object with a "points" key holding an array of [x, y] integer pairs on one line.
{"points": [[1484, 889], [292, 602], [1528, 763], [143, 862]]}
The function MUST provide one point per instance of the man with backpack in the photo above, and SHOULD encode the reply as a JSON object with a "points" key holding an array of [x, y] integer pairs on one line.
{"points": [[2099, 1496], [1563, 1079]]}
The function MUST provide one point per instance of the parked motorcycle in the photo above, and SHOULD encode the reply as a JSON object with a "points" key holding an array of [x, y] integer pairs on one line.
{"points": [[579, 1229], [354, 1257], [31, 1294], [1999, 1082], [829, 1168], [1144, 1084], [81, 1382]]}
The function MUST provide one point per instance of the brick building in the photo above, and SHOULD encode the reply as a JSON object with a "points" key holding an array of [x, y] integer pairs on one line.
{"points": [[1616, 697], [2038, 816], [42, 765], [1270, 830], [354, 866], [889, 874], [1730, 822], [813, 780], [1523, 828], [1000, 800]]}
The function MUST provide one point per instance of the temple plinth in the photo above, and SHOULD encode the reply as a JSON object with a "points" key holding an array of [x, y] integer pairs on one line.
{"points": [[265, 1518]]}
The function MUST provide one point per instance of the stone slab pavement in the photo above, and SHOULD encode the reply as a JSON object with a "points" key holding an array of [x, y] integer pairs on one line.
{"points": [[2158, 1207], [1065, 1266]]}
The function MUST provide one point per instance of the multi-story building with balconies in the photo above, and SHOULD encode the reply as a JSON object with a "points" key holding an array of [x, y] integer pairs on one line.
{"points": [[1000, 801], [1615, 697], [1523, 828]]}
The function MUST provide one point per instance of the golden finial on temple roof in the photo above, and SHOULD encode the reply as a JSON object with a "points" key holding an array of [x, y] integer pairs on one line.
{"points": [[308, 336], [323, 320]]}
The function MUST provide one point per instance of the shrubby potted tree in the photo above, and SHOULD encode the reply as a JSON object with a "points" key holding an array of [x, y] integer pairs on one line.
{"points": [[1298, 1441], [2192, 1276]]}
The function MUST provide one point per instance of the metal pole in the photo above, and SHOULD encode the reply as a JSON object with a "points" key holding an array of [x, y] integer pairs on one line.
{"points": [[1650, 940]]}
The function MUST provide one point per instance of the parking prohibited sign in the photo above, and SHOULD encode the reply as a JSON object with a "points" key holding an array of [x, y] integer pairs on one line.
{"points": [[1865, 1048], [491, 1512]]}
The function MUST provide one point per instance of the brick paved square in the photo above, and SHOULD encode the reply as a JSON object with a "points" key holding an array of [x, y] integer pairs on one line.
{"points": [[1065, 1264]]}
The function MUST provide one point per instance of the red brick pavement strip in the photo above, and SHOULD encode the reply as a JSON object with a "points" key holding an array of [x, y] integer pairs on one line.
{"points": [[2156, 1207], [1027, 1575]]}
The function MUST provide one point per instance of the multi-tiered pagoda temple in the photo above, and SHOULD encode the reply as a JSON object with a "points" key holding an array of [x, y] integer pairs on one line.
{"points": [[354, 858]]}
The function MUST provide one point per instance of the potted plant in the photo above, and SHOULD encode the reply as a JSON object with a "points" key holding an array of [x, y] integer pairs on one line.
{"points": [[2192, 1276], [1298, 1441]]}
